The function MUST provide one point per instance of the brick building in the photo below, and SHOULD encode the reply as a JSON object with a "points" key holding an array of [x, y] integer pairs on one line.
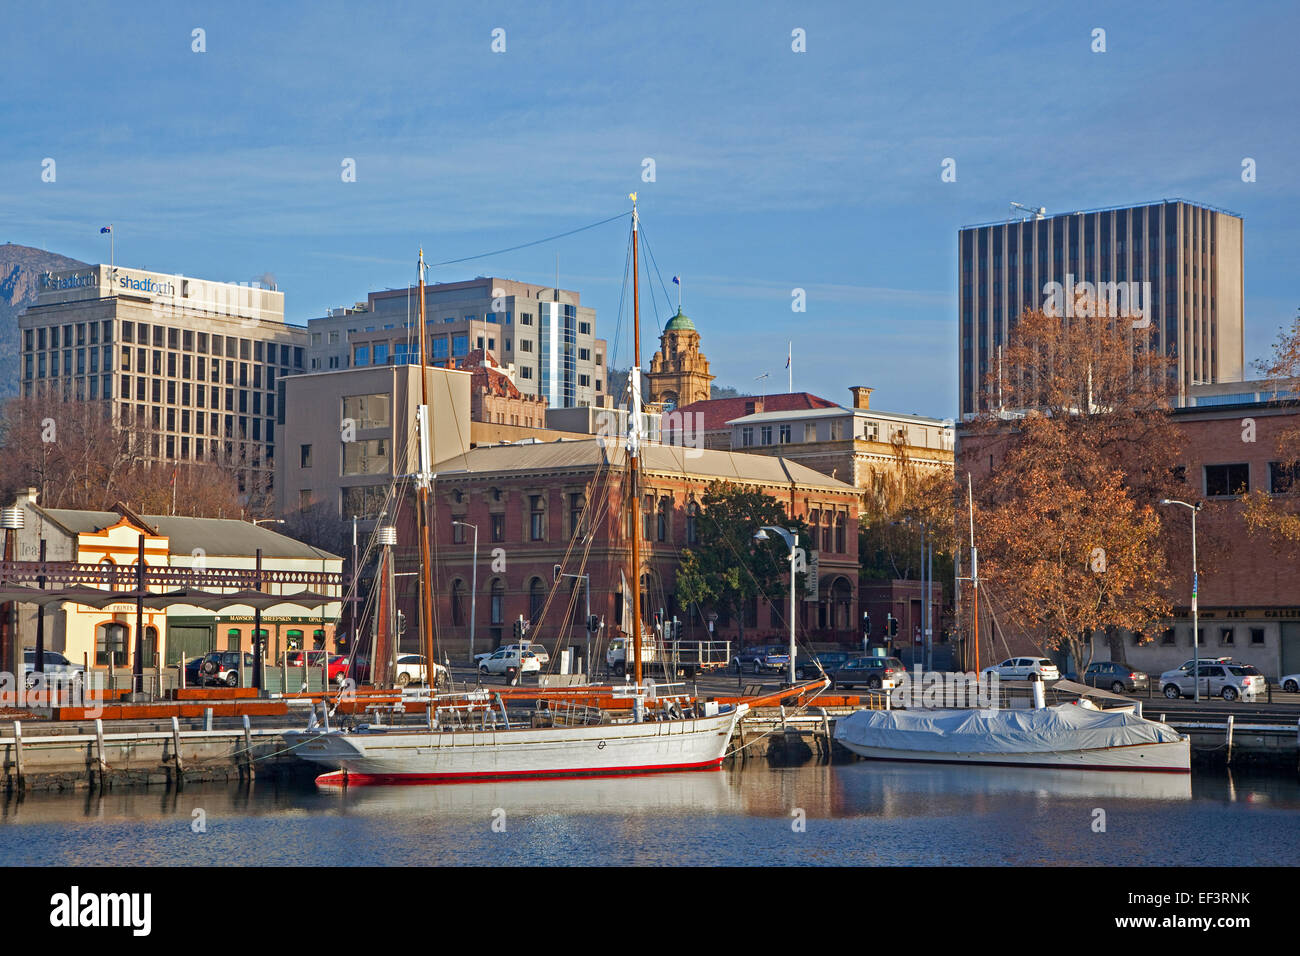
{"points": [[1249, 593], [539, 505], [494, 398]]}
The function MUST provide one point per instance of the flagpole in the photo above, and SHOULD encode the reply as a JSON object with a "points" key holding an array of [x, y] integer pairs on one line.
{"points": [[789, 363]]}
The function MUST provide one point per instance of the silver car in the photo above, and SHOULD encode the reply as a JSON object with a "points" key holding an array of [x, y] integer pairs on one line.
{"points": [[59, 671], [1227, 680]]}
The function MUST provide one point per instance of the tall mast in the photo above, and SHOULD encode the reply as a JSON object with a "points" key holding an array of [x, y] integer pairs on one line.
{"points": [[422, 484], [974, 572], [634, 451]]}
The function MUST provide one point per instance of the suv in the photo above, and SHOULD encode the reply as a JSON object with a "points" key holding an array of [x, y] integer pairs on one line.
{"points": [[539, 652], [505, 658], [829, 661], [1229, 680], [1115, 676], [1019, 668], [774, 657], [222, 667], [59, 671], [878, 673]]}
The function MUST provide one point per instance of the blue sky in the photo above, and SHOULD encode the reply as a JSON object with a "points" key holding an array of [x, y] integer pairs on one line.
{"points": [[774, 169]]}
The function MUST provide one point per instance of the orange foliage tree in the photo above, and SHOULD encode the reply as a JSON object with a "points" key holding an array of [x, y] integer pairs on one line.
{"points": [[1279, 515], [1072, 459]]}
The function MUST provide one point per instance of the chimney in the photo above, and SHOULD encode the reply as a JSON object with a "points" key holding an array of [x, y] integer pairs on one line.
{"points": [[861, 396]]}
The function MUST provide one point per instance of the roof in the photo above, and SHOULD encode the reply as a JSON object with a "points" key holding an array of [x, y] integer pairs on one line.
{"points": [[717, 412], [680, 323], [758, 417], [224, 537], [707, 463]]}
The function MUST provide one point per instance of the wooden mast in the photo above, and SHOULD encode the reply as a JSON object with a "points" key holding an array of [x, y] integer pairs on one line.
{"points": [[634, 452], [422, 484]]}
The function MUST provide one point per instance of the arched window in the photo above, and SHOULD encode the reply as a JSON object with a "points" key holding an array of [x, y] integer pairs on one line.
{"points": [[665, 507], [232, 639], [841, 528], [110, 640], [498, 602], [692, 518], [458, 603], [295, 640], [536, 599]]}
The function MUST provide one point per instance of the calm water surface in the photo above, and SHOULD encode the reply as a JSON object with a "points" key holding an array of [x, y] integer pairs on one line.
{"points": [[860, 813]]}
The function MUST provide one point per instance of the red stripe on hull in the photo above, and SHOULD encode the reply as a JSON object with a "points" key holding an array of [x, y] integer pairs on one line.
{"points": [[342, 778], [1044, 766]]}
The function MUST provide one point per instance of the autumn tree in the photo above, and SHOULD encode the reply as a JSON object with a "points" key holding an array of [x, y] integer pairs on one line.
{"points": [[1278, 515], [1071, 462], [727, 568], [76, 456]]}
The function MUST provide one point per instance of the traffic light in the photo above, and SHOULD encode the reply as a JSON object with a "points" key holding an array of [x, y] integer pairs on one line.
{"points": [[893, 626], [519, 629], [593, 624], [866, 623]]}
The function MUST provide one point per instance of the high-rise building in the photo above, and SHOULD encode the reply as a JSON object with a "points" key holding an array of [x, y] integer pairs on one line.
{"points": [[192, 362], [1173, 263], [545, 333]]}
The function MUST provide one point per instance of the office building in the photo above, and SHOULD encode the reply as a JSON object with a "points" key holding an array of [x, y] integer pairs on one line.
{"points": [[1175, 264], [193, 362], [545, 333]]}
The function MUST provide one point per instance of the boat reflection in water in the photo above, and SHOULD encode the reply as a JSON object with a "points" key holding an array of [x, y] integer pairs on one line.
{"points": [[698, 792], [913, 779]]}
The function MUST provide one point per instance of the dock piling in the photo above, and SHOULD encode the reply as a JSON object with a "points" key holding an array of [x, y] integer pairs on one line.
{"points": [[176, 753], [18, 754], [101, 760], [248, 749], [1229, 738]]}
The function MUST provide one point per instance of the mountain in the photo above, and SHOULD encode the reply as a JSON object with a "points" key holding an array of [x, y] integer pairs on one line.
{"points": [[20, 269]]}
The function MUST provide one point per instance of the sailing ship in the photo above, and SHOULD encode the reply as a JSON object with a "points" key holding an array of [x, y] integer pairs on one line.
{"points": [[589, 731]]}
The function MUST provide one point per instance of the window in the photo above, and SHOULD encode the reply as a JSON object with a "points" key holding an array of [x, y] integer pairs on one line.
{"points": [[1224, 480], [765, 433], [746, 436], [304, 456], [361, 355], [841, 527], [576, 504], [584, 355], [526, 372], [810, 431], [498, 527], [1282, 477], [536, 599], [381, 353], [784, 435], [110, 639], [1225, 636], [661, 530], [536, 518], [1257, 636], [692, 518], [584, 328], [525, 346], [498, 602], [457, 529], [365, 457], [368, 411]]}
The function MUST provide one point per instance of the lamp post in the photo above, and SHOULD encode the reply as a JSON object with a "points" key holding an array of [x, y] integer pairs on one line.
{"points": [[1196, 621], [473, 592], [791, 540]]}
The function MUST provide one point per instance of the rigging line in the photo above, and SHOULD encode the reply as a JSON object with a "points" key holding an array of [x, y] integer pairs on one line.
{"points": [[526, 245], [650, 253]]}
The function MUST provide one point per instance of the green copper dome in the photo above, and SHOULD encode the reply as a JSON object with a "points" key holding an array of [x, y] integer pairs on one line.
{"points": [[679, 323]]}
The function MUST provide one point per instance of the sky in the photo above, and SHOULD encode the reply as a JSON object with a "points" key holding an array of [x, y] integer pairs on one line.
{"points": [[773, 170]]}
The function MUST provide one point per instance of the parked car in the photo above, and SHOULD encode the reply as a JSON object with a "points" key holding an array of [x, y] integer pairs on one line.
{"points": [[222, 667], [1115, 676], [1227, 680], [59, 671], [193, 669], [1019, 668], [774, 657], [506, 658], [1290, 683], [877, 673], [538, 651], [1187, 665], [829, 661], [410, 670]]}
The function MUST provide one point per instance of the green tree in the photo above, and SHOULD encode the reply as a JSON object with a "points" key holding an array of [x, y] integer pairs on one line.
{"points": [[727, 568]]}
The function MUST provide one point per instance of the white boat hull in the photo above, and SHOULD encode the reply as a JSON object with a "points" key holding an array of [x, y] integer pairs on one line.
{"points": [[1172, 757], [398, 755]]}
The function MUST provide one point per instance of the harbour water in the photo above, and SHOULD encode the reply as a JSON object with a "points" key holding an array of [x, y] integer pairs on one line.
{"points": [[850, 814]]}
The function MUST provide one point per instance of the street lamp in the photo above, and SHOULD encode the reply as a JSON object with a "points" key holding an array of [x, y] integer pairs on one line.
{"points": [[791, 540], [1196, 630], [473, 593]]}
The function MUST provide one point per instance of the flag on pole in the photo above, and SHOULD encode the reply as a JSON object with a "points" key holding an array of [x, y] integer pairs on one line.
{"points": [[787, 356], [677, 280], [108, 228]]}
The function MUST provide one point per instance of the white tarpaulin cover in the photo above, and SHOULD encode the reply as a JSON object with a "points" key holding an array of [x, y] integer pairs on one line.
{"points": [[1065, 727]]}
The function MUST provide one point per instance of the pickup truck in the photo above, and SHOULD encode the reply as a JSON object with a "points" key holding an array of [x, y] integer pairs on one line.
{"points": [[666, 657], [773, 657]]}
